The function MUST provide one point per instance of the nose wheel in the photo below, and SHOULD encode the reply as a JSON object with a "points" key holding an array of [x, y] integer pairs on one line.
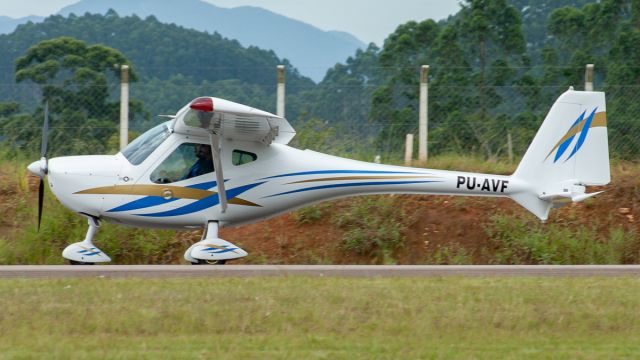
{"points": [[84, 252], [73, 262]]}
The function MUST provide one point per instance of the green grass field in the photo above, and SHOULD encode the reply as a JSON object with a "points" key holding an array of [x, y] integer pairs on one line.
{"points": [[318, 318]]}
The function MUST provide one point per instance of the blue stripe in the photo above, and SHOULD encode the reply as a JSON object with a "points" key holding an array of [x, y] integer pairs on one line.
{"points": [[578, 120], [321, 172], [220, 251], [563, 147], [93, 253], [202, 204], [352, 185], [583, 134], [150, 201]]}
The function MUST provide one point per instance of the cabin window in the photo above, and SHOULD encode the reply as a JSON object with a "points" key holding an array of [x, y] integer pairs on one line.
{"points": [[239, 157], [187, 161], [140, 148]]}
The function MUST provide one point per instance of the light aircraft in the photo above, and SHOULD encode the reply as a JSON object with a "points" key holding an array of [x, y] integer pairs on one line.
{"points": [[218, 163]]}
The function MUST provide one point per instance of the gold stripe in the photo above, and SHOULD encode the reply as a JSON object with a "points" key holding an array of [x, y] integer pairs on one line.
{"points": [[362, 178], [149, 190], [157, 190], [599, 119], [239, 201]]}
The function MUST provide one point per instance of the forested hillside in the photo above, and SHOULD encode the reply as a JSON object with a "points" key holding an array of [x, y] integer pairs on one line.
{"points": [[166, 57], [495, 69]]}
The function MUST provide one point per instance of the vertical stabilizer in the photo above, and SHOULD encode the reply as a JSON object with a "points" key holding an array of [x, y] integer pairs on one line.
{"points": [[569, 152]]}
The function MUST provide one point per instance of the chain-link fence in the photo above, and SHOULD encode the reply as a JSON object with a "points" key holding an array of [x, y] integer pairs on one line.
{"points": [[491, 122]]}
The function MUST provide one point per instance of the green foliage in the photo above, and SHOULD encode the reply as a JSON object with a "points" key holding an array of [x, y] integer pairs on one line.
{"points": [[310, 214], [452, 254], [523, 241], [373, 226]]}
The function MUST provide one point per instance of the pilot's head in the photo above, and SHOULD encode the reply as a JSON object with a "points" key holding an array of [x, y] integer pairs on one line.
{"points": [[203, 151]]}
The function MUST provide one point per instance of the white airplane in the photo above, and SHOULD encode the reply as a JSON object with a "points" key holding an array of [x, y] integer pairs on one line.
{"points": [[219, 163]]}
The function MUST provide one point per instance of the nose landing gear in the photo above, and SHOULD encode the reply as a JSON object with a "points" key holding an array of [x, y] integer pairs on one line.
{"points": [[84, 252]]}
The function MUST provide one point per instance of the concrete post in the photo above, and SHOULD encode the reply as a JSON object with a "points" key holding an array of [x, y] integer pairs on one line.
{"points": [[510, 147], [423, 115], [280, 99], [124, 106], [588, 78], [408, 150]]}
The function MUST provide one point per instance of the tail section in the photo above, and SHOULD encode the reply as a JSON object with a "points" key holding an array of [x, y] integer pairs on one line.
{"points": [[569, 152]]}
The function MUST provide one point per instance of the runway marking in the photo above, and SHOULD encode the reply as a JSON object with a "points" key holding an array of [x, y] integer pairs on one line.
{"points": [[187, 271]]}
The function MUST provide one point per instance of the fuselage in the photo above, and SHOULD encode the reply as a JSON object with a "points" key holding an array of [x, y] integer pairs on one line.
{"points": [[139, 190]]}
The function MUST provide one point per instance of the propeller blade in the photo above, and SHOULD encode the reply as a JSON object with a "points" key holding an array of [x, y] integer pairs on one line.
{"points": [[40, 202], [45, 131]]}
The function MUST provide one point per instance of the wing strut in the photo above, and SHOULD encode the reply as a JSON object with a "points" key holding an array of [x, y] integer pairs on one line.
{"points": [[217, 164]]}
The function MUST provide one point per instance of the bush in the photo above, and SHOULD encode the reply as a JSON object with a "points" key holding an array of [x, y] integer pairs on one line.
{"points": [[374, 226], [520, 241]]}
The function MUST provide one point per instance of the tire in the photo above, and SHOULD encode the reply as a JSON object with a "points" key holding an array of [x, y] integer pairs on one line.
{"points": [[73, 262], [209, 262]]}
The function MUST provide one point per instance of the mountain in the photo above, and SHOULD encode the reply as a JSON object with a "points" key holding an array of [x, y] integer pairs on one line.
{"points": [[8, 24], [173, 64], [311, 50]]}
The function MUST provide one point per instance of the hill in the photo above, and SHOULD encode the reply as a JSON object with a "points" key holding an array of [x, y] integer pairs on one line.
{"points": [[310, 49], [8, 24], [174, 64]]}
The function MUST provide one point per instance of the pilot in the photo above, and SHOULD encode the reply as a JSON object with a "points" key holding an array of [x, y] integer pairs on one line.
{"points": [[204, 164]]}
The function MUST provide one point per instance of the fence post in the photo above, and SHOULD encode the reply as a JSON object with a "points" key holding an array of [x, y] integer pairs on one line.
{"points": [[408, 150], [280, 99], [588, 78], [423, 115], [510, 147], [124, 106]]}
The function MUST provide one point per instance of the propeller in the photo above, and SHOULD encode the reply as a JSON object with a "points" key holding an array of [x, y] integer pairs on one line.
{"points": [[40, 167]]}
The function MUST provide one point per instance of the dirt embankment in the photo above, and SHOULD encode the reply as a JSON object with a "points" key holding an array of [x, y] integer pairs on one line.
{"points": [[433, 222], [429, 224]]}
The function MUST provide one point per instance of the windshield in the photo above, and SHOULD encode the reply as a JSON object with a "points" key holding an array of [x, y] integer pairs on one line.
{"points": [[143, 145]]}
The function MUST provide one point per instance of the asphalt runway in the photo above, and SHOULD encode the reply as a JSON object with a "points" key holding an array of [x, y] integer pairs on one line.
{"points": [[188, 271]]}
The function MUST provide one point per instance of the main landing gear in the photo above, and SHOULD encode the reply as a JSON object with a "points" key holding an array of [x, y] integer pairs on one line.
{"points": [[212, 250], [84, 252]]}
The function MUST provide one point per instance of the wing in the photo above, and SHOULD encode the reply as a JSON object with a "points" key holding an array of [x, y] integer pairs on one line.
{"points": [[232, 121], [218, 119]]}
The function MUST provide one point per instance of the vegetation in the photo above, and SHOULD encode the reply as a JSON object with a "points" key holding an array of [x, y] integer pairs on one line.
{"points": [[362, 230], [521, 241], [374, 226], [303, 317], [496, 66]]}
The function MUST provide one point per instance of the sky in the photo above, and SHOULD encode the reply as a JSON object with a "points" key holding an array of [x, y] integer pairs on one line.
{"points": [[374, 24]]}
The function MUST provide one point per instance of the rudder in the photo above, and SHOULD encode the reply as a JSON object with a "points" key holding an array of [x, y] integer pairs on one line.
{"points": [[569, 152]]}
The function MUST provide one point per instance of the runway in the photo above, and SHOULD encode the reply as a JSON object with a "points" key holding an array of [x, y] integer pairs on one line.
{"points": [[189, 271]]}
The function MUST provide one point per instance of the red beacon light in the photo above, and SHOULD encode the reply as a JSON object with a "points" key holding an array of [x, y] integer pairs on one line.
{"points": [[202, 104]]}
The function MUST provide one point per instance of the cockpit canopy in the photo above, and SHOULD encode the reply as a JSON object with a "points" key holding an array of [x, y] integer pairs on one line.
{"points": [[140, 148]]}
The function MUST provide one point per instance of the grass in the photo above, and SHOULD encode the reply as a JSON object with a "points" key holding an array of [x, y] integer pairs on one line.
{"points": [[318, 318], [373, 226], [520, 240]]}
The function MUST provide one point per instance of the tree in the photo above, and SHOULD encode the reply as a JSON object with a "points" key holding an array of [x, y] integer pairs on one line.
{"points": [[75, 80], [72, 74]]}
